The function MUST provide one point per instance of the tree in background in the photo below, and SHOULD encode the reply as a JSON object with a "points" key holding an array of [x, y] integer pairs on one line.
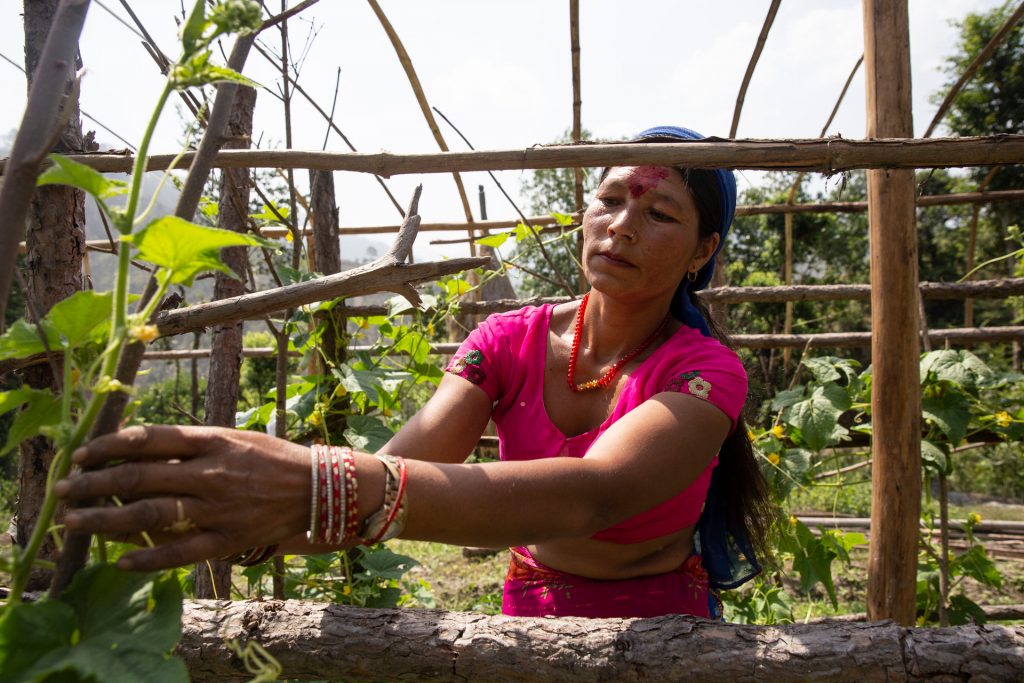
{"points": [[552, 190], [991, 103]]}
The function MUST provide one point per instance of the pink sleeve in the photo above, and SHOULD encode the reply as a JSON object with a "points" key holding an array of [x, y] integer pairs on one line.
{"points": [[716, 376], [480, 358]]}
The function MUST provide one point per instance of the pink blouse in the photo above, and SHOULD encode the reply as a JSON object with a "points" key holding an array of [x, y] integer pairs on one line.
{"points": [[506, 356]]}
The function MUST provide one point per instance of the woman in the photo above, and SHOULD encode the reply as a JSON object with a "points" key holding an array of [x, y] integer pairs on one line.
{"points": [[628, 383]]}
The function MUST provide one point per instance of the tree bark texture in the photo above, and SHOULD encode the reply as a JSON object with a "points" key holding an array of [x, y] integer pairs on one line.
{"points": [[317, 641], [55, 243], [213, 579], [895, 349], [324, 210]]}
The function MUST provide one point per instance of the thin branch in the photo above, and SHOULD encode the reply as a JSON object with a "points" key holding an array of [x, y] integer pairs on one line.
{"points": [[758, 47], [533, 231], [334, 104], [287, 14], [299, 89], [421, 98]]}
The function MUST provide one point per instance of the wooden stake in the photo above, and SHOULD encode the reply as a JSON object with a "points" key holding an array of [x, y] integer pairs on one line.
{"points": [[896, 393]]}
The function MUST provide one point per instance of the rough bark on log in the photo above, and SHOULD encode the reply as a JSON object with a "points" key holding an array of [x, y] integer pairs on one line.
{"points": [[373, 277], [213, 579], [826, 156], [316, 641], [55, 239]]}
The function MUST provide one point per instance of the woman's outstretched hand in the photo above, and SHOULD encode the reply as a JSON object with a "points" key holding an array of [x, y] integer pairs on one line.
{"points": [[199, 492]]}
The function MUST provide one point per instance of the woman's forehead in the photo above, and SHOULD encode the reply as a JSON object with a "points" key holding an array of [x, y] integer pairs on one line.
{"points": [[642, 179]]}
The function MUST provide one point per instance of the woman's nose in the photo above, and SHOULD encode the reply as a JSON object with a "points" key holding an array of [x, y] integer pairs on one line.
{"points": [[623, 223]]}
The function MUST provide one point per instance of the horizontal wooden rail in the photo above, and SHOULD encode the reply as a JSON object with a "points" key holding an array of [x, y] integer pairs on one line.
{"points": [[976, 289], [827, 156], [836, 340], [957, 335]]}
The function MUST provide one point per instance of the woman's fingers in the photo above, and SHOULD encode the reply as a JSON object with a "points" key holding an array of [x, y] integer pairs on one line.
{"points": [[129, 481], [166, 515], [188, 550], [150, 442]]}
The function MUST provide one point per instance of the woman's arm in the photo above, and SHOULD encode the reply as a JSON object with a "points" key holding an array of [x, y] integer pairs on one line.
{"points": [[448, 427], [243, 489]]}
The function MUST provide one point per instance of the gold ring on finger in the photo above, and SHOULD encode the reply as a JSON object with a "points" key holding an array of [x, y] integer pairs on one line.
{"points": [[181, 525]]}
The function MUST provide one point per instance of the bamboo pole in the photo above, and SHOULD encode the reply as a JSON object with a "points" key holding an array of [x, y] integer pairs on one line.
{"points": [[973, 67], [421, 98], [752, 64], [896, 392], [827, 156]]}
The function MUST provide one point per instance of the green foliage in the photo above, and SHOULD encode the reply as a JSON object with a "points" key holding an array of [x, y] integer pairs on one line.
{"points": [[758, 603], [81, 318], [109, 625], [365, 577], [39, 409], [186, 249]]}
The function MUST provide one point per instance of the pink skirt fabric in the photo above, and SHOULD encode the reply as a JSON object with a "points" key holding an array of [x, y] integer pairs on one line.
{"points": [[535, 590]]}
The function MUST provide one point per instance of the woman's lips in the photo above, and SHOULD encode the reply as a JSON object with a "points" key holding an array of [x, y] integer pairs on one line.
{"points": [[614, 259]]}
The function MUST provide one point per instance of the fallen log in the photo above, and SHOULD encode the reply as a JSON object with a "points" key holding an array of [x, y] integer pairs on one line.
{"points": [[317, 641]]}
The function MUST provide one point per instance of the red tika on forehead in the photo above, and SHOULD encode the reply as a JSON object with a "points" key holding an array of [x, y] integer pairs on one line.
{"points": [[645, 178]]}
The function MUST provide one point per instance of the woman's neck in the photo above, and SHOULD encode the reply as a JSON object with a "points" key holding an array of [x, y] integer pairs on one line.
{"points": [[613, 328]]}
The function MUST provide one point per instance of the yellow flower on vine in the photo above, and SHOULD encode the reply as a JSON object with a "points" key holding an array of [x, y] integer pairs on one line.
{"points": [[751, 436], [346, 590], [778, 432], [1003, 419], [973, 519], [792, 520], [774, 458], [143, 333], [316, 418]]}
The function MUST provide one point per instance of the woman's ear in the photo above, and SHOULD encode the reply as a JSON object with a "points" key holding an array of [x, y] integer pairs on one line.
{"points": [[706, 249]]}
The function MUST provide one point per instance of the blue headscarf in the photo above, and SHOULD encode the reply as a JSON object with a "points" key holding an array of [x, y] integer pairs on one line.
{"points": [[726, 552]]}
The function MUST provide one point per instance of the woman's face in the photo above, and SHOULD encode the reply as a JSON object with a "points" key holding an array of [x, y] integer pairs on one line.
{"points": [[641, 234]]}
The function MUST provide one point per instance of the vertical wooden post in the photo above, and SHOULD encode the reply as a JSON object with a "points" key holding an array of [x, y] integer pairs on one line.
{"points": [[213, 579], [896, 393]]}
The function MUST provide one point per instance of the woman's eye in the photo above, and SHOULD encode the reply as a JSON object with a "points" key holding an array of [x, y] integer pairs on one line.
{"points": [[609, 201], [663, 217]]}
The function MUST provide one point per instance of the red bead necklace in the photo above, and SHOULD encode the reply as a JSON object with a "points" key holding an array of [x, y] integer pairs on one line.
{"points": [[607, 377]]}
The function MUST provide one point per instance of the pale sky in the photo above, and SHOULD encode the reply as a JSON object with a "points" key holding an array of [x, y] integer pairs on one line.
{"points": [[501, 71]]}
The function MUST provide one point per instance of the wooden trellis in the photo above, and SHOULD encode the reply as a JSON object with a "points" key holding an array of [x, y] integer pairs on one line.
{"points": [[891, 156]]}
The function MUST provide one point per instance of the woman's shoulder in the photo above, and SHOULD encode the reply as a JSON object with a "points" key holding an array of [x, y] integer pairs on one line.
{"points": [[689, 345], [519, 319]]}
